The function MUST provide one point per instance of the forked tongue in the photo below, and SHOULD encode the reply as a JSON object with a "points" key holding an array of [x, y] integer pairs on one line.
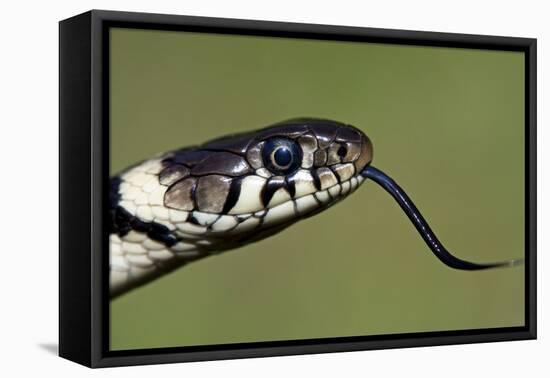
{"points": [[422, 226]]}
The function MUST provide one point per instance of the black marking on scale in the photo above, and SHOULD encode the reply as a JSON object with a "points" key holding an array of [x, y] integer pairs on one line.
{"points": [[335, 175], [114, 195], [269, 189], [193, 220], [290, 186], [233, 195], [316, 179], [124, 222], [209, 227]]}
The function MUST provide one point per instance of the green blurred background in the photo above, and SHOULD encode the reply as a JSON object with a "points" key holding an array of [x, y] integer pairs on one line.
{"points": [[446, 123]]}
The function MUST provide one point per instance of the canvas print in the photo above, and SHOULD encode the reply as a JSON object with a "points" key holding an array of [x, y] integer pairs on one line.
{"points": [[274, 189]]}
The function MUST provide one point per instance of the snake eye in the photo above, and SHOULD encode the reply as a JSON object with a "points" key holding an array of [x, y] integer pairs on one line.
{"points": [[281, 155]]}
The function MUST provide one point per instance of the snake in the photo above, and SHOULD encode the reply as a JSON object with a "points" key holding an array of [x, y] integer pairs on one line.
{"points": [[194, 202]]}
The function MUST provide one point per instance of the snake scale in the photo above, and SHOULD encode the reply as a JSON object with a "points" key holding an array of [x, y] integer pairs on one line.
{"points": [[198, 201]]}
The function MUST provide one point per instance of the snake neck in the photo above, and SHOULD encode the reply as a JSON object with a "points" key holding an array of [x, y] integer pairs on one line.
{"points": [[144, 243]]}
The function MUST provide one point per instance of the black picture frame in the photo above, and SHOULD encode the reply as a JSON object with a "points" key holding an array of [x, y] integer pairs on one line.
{"points": [[84, 159]]}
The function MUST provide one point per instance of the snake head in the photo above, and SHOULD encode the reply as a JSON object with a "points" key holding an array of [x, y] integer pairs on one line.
{"points": [[267, 179]]}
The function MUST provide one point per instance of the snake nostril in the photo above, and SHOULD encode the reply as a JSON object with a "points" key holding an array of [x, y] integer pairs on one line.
{"points": [[342, 151]]}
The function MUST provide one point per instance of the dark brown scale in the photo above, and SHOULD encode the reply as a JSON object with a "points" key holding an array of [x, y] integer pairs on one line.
{"points": [[188, 157], [347, 134], [326, 133], [173, 173], [180, 195], [222, 163], [288, 131], [236, 144], [254, 155], [211, 192], [320, 158], [365, 156]]}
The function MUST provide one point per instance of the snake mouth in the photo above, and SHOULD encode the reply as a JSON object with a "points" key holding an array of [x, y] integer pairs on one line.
{"points": [[308, 204], [282, 210]]}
